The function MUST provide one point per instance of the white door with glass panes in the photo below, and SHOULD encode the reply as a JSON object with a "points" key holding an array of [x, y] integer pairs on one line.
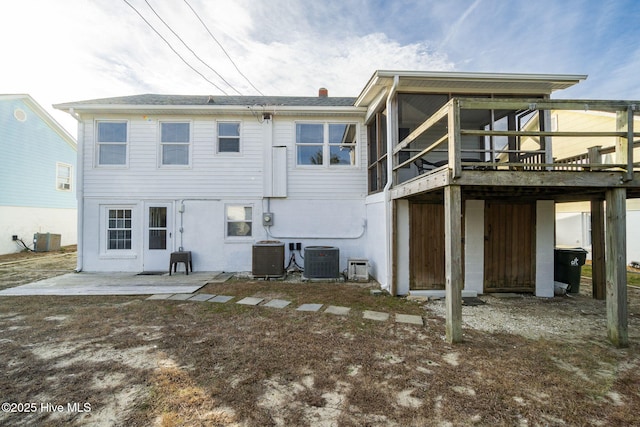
{"points": [[158, 238]]}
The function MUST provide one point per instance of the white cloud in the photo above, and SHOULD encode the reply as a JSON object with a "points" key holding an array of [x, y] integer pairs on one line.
{"points": [[72, 50]]}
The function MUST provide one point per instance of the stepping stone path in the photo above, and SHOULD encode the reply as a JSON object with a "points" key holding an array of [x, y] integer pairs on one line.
{"points": [[340, 311], [376, 315], [201, 297], [409, 318], [181, 297], [250, 301], [221, 299], [279, 304], [309, 307]]}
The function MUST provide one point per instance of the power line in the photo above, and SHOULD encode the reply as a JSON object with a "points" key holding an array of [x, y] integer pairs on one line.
{"points": [[171, 47], [191, 50], [222, 47]]}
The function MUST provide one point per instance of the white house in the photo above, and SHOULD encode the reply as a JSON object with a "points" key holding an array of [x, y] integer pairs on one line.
{"points": [[438, 179], [160, 173]]}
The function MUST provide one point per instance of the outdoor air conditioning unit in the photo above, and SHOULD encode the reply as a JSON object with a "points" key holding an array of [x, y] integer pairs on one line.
{"points": [[321, 262], [268, 259], [45, 242]]}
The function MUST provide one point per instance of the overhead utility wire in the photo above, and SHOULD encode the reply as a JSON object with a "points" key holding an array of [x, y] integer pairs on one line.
{"points": [[191, 50], [174, 51], [222, 47]]}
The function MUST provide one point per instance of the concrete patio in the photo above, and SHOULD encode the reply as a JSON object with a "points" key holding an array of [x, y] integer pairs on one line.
{"points": [[118, 284]]}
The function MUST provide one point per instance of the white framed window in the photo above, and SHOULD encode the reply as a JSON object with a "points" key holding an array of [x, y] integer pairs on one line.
{"points": [[228, 137], [238, 221], [342, 144], [175, 139], [326, 144], [119, 228], [63, 177], [111, 138]]}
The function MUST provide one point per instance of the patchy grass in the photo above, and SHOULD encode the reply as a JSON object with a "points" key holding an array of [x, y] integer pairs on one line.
{"points": [[633, 275], [182, 363]]}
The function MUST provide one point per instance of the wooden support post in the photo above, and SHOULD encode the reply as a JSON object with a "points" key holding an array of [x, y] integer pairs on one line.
{"points": [[598, 279], [624, 144], [616, 267], [455, 139], [595, 158], [512, 141], [453, 264]]}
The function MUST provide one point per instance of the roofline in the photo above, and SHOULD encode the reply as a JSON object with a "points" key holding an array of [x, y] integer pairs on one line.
{"points": [[205, 109], [44, 115], [454, 75]]}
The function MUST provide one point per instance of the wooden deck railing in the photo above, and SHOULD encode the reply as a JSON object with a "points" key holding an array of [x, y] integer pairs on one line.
{"points": [[442, 134]]}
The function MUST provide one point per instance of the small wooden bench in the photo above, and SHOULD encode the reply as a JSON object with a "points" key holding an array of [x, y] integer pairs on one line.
{"points": [[183, 257]]}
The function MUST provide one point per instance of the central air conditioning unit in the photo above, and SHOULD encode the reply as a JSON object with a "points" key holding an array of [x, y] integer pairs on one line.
{"points": [[268, 259], [321, 262], [45, 242]]}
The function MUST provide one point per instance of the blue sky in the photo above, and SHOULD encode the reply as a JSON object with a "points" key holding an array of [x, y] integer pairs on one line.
{"points": [[67, 50]]}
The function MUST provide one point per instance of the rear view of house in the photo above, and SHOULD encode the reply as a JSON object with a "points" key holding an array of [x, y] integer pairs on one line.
{"points": [[443, 182], [214, 175], [37, 176]]}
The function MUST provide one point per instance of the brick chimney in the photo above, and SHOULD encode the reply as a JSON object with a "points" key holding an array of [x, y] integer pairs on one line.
{"points": [[323, 92]]}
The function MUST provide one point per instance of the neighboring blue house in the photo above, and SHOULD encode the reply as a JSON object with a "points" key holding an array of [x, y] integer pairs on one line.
{"points": [[37, 175]]}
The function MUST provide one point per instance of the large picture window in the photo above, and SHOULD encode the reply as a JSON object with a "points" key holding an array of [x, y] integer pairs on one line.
{"points": [[324, 144], [174, 143], [119, 229], [112, 143]]}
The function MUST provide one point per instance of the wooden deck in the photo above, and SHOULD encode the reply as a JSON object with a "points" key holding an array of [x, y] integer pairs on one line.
{"points": [[484, 162]]}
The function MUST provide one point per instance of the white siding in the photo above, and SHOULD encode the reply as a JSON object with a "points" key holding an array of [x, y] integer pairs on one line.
{"points": [[322, 182], [323, 206], [210, 174]]}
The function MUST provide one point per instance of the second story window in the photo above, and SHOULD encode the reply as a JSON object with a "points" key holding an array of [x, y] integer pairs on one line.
{"points": [[228, 137], [326, 144], [112, 143], [174, 143]]}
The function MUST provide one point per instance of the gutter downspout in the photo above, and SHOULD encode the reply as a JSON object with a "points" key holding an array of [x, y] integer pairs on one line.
{"points": [[79, 189], [391, 285]]}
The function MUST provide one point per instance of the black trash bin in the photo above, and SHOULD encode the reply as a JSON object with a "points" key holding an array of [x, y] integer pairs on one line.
{"points": [[568, 264]]}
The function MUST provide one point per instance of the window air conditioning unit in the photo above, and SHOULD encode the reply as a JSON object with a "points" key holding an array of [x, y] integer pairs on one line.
{"points": [[321, 262]]}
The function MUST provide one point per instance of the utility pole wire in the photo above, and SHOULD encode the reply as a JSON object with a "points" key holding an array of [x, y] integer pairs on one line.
{"points": [[171, 47], [191, 50], [222, 47]]}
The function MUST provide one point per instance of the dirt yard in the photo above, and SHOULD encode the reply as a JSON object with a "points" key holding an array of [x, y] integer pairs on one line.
{"points": [[128, 361]]}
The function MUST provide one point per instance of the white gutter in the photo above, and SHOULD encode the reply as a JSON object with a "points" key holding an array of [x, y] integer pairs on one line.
{"points": [[79, 190], [387, 195], [209, 109]]}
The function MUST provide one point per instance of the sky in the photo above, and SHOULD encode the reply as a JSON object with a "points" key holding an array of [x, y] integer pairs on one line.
{"points": [[71, 50]]}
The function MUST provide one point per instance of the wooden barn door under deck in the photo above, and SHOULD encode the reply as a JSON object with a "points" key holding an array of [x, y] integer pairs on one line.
{"points": [[509, 250], [426, 247]]}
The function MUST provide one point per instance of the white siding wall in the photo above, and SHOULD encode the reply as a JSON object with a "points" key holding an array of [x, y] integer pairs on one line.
{"points": [[322, 182], [324, 206]]}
